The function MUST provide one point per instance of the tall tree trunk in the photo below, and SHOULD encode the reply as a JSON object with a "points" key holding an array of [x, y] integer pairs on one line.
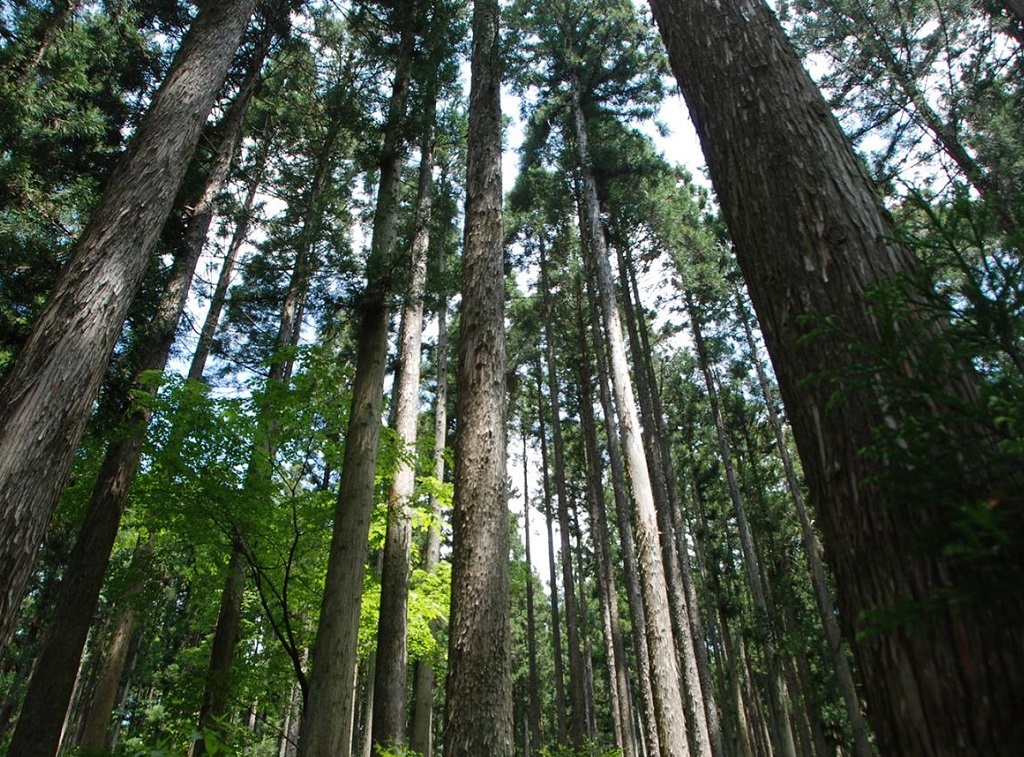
{"points": [[325, 733], [577, 696], [48, 696], [780, 721], [556, 625], [660, 467], [531, 627], [421, 735], [812, 548], [96, 729], [668, 697], [48, 394], [478, 713], [789, 183], [618, 674], [697, 671], [389, 705], [627, 546]]}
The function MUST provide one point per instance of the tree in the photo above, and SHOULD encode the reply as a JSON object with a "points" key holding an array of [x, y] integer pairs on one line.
{"points": [[46, 398], [789, 183], [478, 711]]}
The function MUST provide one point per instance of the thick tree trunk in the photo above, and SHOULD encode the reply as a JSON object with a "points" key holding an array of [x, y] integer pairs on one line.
{"points": [[668, 696], [390, 689], [49, 393], [327, 723], [822, 594], [813, 240], [577, 697], [421, 735], [478, 713]]}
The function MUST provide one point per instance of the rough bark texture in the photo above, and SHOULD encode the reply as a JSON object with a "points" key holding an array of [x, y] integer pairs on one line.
{"points": [[813, 240], [96, 728], [390, 688], [48, 394], [327, 721], [668, 696], [478, 713]]}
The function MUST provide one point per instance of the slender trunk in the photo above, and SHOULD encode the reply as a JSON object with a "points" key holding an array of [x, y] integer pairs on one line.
{"points": [[324, 733], [531, 626], [421, 737], [812, 548], [788, 182], [556, 624], [660, 467], [478, 711], [577, 696], [697, 669], [586, 647], [95, 731], [389, 705], [627, 546], [783, 734], [48, 394], [668, 698], [618, 674]]}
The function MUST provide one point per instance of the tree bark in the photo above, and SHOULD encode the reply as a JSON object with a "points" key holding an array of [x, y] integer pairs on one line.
{"points": [[478, 713], [789, 183], [48, 394]]}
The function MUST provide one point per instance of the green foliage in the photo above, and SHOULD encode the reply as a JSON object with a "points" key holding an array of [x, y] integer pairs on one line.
{"points": [[588, 749]]}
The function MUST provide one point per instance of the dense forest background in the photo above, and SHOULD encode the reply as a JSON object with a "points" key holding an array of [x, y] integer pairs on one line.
{"points": [[251, 551]]}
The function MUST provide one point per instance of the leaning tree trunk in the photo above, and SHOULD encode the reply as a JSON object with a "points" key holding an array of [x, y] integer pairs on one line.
{"points": [[42, 715], [665, 681], [390, 687], [327, 721], [813, 241], [478, 711], [47, 397]]}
